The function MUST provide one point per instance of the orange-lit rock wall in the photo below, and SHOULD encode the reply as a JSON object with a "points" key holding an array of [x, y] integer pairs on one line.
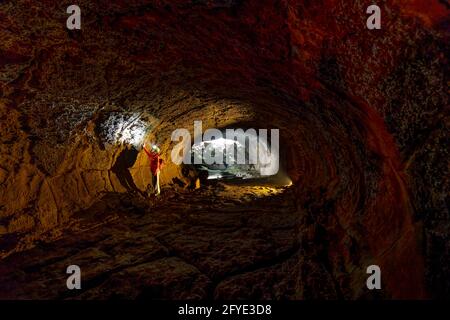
{"points": [[363, 116]]}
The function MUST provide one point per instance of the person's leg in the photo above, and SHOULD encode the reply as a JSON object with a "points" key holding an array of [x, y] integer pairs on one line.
{"points": [[158, 190], [153, 183]]}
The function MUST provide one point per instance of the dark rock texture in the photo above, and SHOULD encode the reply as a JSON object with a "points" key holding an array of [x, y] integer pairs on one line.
{"points": [[363, 118]]}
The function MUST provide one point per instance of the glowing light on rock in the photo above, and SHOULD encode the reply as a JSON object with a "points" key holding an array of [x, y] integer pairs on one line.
{"points": [[123, 128], [133, 134]]}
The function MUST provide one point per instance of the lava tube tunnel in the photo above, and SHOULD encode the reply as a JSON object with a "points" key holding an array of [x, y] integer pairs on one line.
{"points": [[224, 150]]}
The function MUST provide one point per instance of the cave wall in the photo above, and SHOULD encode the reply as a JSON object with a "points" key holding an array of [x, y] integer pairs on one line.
{"points": [[365, 113]]}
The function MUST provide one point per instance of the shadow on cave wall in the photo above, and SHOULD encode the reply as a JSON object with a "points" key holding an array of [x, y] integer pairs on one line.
{"points": [[124, 162]]}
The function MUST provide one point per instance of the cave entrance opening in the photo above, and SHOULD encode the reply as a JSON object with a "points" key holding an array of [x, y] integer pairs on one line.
{"points": [[239, 156]]}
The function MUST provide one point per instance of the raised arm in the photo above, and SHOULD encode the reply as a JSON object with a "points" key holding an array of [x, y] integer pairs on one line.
{"points": [[147, 152]]}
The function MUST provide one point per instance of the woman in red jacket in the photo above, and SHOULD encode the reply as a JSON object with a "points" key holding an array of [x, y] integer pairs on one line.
{"points": [[156, 164]]}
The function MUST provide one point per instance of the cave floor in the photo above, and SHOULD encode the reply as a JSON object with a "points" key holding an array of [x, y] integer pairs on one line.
{"points": [[223, 242]]}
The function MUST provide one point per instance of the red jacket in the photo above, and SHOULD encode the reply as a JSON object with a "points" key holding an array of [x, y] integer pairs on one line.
{"points": [[156, 163]]}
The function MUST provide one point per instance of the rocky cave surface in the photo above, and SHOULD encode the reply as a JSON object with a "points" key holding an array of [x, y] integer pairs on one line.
{"points": [[363, 119]]}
